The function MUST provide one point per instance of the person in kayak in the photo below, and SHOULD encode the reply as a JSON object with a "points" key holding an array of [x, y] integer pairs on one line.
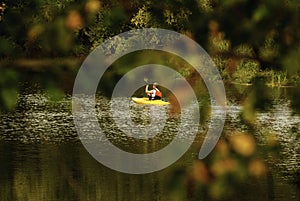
{"points": [[155, 93]]}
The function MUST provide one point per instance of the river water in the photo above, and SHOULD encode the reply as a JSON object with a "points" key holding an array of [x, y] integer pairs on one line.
{"points": [[42, 157]]}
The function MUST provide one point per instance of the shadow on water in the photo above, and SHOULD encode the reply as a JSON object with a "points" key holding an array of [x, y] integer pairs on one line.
{"points": [[42, 158]]}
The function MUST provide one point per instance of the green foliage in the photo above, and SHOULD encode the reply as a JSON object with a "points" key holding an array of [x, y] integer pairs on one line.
{"points": [[143, 18], [60, 28], [276, 78], [9, 90], [291, 61], [245, 71], [54, 93]]}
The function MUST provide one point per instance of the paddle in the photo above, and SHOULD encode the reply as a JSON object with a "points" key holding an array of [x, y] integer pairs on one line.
{"points": [[146, 80]]}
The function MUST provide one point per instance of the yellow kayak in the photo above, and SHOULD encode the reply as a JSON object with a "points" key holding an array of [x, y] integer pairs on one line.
{"points": [[147, 101]]}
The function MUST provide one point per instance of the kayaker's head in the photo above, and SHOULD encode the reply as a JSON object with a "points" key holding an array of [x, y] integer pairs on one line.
{"points": [[155, 84]]}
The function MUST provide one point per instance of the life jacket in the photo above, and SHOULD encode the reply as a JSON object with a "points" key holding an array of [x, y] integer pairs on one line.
{"points": [[158, 93]]}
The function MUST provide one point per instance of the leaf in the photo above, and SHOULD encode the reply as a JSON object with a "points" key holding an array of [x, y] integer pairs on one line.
{"points": [[55, 94], [9, 97]]}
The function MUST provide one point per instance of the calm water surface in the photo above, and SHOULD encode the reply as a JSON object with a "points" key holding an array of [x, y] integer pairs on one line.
{"points": [[42, 158]]}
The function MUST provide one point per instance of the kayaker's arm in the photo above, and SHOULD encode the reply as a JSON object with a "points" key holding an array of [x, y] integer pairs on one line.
{"points": [[148, 92], [146, 89]]}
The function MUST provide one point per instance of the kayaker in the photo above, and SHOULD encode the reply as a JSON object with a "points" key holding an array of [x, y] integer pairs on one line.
{"points": [[155, 93]]}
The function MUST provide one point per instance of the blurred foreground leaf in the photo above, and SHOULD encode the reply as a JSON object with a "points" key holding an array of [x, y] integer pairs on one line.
{"points": [[9, 98], [55, 93], [9, 89]]}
